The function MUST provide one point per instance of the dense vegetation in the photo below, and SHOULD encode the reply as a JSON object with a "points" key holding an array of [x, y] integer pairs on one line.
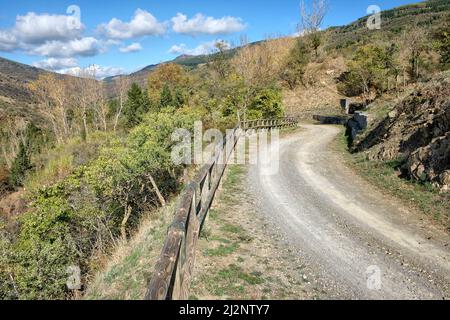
{"points": [[96, 165], [90, 164]]}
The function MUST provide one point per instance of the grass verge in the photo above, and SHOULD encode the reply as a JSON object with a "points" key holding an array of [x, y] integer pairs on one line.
{"points": [[386, 177], [126, 275], [238, 257]]}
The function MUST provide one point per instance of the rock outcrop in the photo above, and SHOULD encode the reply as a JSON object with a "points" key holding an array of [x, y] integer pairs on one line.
{"points": [[417, 132]]}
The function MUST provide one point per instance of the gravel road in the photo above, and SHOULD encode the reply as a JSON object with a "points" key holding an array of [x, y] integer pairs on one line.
{"points": [[355, 242]]}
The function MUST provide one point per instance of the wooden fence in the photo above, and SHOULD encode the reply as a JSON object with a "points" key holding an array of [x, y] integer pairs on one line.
{"points": [[172, 276], [269, 123]]}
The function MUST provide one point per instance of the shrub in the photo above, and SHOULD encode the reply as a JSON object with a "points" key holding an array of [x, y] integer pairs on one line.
{"points": [[266, 105], [368, 71], [295, 67], [72, 222]]}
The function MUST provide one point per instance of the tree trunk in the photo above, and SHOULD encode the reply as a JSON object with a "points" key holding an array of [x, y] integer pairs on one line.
{"points": [[123, 225], [119, 113], [157, 191]]}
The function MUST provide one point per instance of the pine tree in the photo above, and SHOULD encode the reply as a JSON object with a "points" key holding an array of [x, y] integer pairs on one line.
{"points": [[178, 100], [20, 166], [166, 97], [136, 106]]}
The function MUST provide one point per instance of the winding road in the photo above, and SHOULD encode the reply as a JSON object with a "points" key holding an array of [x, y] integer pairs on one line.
{"points": [[354, 241]]}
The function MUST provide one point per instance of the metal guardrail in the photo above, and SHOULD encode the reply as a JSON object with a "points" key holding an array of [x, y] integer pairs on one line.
{"points": [[172, 277]]}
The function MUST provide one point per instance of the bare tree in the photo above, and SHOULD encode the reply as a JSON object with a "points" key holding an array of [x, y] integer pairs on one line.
{"points": [[121, 85], [312, 16], [101, 106], [54, 94], [11, 134], [414, 46], [83, 97]]}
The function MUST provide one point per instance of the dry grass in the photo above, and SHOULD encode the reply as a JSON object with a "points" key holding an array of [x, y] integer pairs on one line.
{"points": [[319, 95], [126, 275]]}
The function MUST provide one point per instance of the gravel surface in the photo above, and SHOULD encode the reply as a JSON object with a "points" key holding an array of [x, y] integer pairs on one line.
{"points": [[354, 242]]}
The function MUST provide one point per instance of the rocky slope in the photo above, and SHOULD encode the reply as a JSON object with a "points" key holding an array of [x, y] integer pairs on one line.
{"points": [[417, 133]]}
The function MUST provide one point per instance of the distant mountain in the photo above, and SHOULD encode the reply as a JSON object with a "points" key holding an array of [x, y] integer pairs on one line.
{"points": [[140, 77], [15, 97], [14, 76]]}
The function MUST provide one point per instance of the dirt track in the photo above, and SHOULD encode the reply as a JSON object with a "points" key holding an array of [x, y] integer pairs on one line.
{"points": [[344, 230]]}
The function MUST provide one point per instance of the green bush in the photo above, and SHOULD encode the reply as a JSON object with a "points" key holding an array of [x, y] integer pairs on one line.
{"points": [[368, 71], [295, 66], [267, 104], [73, 221]]}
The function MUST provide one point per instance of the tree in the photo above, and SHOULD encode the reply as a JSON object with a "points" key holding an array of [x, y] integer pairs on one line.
{"points": [[136, 106], [256, 64], [166, 97], [316, 42], [311, 20], [54, 96], [84, 95], [368, 72], [311, 17], [443, 44], [178, 99], [20, 166], [296, 63], [414, 43], [220, 62], [100, 106], [122, 85], [170, 74]]}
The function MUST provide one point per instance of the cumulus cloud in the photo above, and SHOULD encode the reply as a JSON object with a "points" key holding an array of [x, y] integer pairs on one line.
{"points": [[201, 24], [8, 42], [56, 64], [142, 24], [202, 49], [85, 47], [97, 71], [36, 29], [34, 32], [134, 47]]}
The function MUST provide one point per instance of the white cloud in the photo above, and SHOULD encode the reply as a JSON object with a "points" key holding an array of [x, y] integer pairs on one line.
{"points": [[202, 49], [201, 24], [8, 42], [142, 24], [86, 47], [96, 71], [56, 64], [37, 29], [134, 47]]}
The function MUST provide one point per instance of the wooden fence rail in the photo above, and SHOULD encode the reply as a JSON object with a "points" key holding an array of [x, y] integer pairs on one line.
{"points": [[270, 123], [172, 276]]}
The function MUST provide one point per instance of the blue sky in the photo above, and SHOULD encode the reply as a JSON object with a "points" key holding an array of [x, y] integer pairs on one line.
{"points": [[124, 36]]}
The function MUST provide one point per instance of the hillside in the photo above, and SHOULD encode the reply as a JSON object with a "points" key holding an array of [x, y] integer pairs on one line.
{"points": [[187, 61], [88, 178], [15, 98], [428, 14], [415, 134]]}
